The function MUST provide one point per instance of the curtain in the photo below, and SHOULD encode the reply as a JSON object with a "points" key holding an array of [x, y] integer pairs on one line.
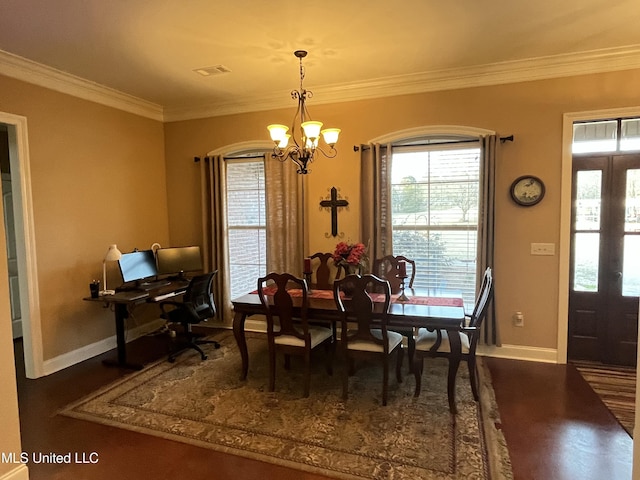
{"points": [[486, 228], [375, 200], [285, 209], [214, 228], [376, 197]]}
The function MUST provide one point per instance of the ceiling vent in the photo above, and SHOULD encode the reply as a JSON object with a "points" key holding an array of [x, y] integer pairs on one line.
{"points": [[215, 70]]}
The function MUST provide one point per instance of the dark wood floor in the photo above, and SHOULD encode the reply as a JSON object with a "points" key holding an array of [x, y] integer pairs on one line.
{"points": [[556, 428]]}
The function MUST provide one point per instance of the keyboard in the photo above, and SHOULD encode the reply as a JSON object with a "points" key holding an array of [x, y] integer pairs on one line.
{"points": [[153, 285], [165, 296]]}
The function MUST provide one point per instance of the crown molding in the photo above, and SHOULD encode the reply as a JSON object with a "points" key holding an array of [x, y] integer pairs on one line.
{"points": [[565, 65], [35, 73], [540, 68]]}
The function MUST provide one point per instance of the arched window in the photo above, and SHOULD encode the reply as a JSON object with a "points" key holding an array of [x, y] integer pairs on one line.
{"points": [[425, 184], [434, 210]]}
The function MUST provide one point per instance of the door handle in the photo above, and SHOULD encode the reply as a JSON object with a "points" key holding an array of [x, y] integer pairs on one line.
{"points": [[617, 275]]}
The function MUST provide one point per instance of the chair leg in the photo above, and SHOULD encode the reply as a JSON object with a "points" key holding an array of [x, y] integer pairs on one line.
{"points": [[345, 378], [207, 342], [399, 364], [411, 347], [307, 373], [418, 362], [203, 356], [329, 357], [272, 368], [473, 376], [287, 362], [385, 379]]}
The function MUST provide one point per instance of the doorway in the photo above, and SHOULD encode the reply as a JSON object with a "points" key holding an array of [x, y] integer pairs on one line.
{"points": [[604, 281], [25, 251]]}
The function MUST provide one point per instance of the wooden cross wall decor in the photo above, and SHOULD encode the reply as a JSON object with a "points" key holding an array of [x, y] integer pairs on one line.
{"points": [[333, 203]]}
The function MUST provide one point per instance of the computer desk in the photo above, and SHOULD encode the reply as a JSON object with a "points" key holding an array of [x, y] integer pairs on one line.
{"points": [[123, 302]]}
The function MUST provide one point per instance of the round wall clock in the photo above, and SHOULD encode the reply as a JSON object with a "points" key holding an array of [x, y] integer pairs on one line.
{"points": [[527, 190]]}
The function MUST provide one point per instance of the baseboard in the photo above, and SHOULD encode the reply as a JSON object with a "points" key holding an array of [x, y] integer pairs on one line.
{"points": [[512, 352], [21, 472], [89, 351], [520, 352]]}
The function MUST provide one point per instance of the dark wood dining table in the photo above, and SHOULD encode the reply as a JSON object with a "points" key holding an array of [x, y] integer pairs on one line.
{"points": [[425, 308]]}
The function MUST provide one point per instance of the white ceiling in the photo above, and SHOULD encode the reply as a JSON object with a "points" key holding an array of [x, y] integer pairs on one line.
{"points": [[149, 49]]}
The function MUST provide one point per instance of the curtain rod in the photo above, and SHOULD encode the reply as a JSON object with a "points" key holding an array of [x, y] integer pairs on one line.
{"points": [[509, 138], [197, 159]]}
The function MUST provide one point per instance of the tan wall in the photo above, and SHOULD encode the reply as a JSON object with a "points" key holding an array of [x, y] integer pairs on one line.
{"points": [[98, 177], [532, 111]]}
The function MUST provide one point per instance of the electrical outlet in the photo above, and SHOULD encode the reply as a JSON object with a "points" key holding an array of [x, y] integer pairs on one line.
{"points": [[518, 319], [543, 249]]}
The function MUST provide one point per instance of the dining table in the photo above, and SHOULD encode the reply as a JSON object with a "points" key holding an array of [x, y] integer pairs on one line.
{"points": [[418, 308]]}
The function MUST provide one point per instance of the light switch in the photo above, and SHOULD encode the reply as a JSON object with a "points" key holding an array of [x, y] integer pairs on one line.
{"points": [[543, 249]]}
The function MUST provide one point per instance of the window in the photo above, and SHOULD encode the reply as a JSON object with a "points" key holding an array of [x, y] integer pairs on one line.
{"points": [[434, 199], [246, 222], [619, 135]]}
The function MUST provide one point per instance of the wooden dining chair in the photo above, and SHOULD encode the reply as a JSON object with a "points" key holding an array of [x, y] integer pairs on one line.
{"points": [[325, 270], [437, 343], [387, 268], [291, 335], [369, 335]]}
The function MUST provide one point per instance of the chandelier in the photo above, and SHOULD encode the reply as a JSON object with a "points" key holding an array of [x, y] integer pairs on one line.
{"points": [[303, 149]]}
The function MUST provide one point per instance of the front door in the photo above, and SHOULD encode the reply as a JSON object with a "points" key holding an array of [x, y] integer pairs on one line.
{"points": [[605, 259]]}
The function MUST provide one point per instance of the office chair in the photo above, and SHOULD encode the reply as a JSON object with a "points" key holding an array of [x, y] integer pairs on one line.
{"points": [[197, 306]]}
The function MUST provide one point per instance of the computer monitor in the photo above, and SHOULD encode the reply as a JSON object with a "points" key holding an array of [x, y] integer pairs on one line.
{"points": [[178, 260], [137, 266]]}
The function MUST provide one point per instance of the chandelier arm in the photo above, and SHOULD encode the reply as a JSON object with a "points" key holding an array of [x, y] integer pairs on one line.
{"points": [[330, 154]]}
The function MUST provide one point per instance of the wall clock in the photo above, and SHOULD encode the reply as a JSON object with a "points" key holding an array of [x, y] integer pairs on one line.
{"points": [[527, 190]]}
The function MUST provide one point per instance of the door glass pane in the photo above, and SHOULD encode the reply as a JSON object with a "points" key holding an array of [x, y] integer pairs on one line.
{"points": [[631, 266], [630, 137], [588, 202], [585, 263], [632, 202], [595, 136]]}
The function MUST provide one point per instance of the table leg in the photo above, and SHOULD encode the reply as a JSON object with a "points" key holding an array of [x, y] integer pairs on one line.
{"points": [[454, 363], [121, 314], [241, 340]]}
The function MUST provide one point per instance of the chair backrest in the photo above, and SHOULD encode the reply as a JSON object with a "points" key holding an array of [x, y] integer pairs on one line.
{"points": [[484, 297], [280, 304], [359, 308], [198, 299], [387, 268], [325, 269]]}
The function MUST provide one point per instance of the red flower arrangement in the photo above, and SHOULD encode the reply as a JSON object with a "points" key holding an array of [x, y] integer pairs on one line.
{"points": [[350, 254]]}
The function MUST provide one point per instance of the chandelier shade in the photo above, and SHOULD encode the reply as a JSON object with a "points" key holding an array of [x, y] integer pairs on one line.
{"points": [[303, 148]]}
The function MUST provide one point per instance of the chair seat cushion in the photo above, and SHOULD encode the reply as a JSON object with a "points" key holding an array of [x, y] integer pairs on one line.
{"points": [[394, 339], [426, 339], [318, 335]]}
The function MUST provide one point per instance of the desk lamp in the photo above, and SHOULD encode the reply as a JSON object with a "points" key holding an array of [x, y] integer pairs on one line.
{"points": [[112, 255]]}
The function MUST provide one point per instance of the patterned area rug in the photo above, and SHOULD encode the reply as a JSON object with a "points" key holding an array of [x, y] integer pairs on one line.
{"points": [[616, 386], [205, 404]]}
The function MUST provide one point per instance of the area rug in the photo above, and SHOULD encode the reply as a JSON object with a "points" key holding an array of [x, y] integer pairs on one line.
{"points": [[616, 387], [204, 403]]}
